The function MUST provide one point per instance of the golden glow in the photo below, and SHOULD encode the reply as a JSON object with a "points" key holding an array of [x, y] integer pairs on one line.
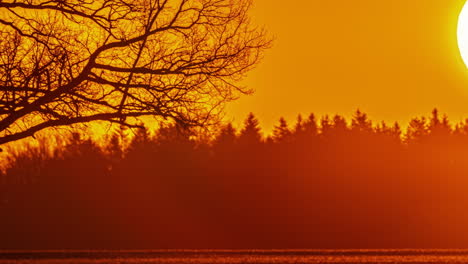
{"points": [[392, 59], [463, 33]]}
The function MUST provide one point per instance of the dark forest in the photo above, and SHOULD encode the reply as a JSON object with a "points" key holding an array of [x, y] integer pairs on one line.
{"points": [[319, 183]]}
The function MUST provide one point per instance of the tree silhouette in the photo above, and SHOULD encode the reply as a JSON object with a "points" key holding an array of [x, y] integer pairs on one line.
{"points": [[392, 133], [71, 62], [439, 128], [310, 125], [281, 132], [169, 188], [226, 137], [417, 130], [326, 125], [339, 124], [250, 133], [305, 130], [360, 122]]}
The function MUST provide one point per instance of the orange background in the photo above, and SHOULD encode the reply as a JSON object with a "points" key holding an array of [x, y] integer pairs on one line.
{"points": [[392, 59]]}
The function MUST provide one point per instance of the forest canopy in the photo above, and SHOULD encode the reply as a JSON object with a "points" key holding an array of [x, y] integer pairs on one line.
{"points": [[318, 183]]}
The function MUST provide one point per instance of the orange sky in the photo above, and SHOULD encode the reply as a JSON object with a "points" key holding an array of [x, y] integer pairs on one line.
{"points": [[392, 59]]}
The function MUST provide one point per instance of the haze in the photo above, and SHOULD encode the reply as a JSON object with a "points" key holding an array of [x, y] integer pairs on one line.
{"points": [[392, 59]]}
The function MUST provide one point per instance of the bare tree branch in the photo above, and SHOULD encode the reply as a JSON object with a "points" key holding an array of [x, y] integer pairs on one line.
{"points": [[77, 61]]}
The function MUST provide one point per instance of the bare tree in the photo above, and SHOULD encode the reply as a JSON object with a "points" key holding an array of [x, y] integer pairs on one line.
{"points": [[65, 62]]}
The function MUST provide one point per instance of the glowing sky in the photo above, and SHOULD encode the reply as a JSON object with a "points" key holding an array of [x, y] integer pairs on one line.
{"points": [[392, 59]]}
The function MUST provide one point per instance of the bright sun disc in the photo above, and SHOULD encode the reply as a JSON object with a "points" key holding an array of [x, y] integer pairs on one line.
{"points": [[463, 33]]}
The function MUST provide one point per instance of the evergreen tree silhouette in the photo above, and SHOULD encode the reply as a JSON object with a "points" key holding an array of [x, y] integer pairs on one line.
{"points": [[417, 130], [226, 137], [439, 128], [339, 124], [396, 131], [360, 122], [326, 125], [250, 133], [168, 181], [299, 127], [310, 126], [281, 132]]}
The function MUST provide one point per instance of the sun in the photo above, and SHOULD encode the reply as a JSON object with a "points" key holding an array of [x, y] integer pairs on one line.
{"points": [[462, 33]]}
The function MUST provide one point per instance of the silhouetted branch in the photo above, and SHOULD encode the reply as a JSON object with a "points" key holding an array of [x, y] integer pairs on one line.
{"points": [[165, 58]]}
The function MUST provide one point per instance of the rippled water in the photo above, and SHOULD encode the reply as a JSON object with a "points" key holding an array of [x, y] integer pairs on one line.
{"points": [[236, 256]]}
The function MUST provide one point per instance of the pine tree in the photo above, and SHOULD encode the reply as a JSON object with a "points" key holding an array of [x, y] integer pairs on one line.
{"points": [[417, 130], [310, 126], [226, 137], [299, 127], [339, 123], [251, 133], [438, 127], [325, 125], [361, 122], [281, 132]]}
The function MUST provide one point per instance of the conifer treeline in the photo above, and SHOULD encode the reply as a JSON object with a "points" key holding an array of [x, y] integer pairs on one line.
{"points": [[318, 184]]}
